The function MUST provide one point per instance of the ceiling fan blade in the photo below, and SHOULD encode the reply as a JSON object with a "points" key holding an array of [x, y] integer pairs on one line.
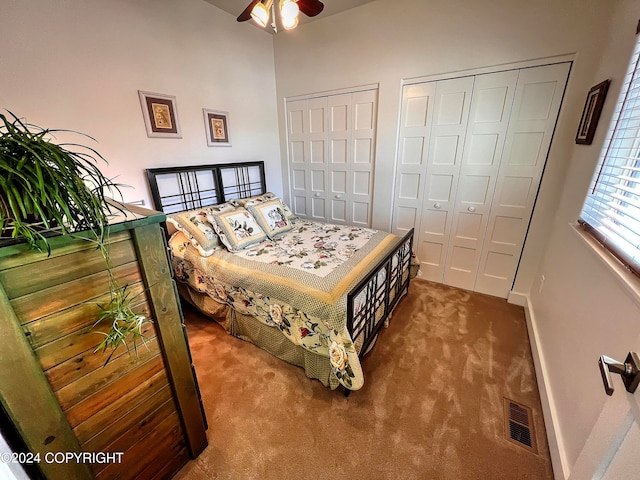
{"points": [[310, 8], [246, 14]]}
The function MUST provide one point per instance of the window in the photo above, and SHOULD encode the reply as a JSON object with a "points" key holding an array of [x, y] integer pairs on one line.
{"points": [[611, 212]]}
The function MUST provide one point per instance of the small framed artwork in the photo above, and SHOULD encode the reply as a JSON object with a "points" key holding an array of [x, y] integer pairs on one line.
{"points": [[217, 128], [591, 113], [160, 115]]}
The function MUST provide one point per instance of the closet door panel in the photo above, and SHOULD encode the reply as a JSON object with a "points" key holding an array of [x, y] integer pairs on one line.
{"points": [[339, 156], [414, 135], [452, 102], [318, 165], [339, 196], [299, 192], [299, 155], [318, 189], [308, 152], [331, 156], [535, 110], [362, 189], [364, 114], [484, 141]]}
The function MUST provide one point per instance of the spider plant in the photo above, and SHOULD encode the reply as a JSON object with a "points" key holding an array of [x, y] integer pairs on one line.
{"points": [[125, 323], [46, 186]]}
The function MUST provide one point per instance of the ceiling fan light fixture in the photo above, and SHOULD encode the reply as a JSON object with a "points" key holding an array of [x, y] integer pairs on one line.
{"points": [[260, 13], [290, 24], [289, 14]]}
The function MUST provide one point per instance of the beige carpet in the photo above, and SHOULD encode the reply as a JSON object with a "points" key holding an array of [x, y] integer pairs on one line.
{"points": [[432, 406]]}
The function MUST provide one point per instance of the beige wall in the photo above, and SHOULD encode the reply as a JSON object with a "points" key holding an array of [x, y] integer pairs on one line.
{"points": [[78, 64], [383, 43]]}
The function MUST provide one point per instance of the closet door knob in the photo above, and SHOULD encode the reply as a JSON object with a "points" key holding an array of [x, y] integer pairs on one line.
{"points": [[437, 206], [472, 209], [338, 196], [316, 194]]}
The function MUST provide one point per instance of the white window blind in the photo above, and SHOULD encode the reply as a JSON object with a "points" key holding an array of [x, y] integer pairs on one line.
{"points": [[611, 212]]}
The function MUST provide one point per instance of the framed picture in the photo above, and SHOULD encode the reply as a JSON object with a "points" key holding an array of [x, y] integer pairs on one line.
{"points": [[217, 128], [591, 113], [160, 115]]}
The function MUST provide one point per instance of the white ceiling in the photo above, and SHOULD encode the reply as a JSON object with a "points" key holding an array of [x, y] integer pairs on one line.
{"points": [[331, 7]]}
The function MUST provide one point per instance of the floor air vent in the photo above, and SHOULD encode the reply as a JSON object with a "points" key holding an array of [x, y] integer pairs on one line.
{"points": [[519, 425]]}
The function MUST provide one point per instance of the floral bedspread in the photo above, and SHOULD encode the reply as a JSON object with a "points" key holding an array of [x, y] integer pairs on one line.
{"points": [[297, 283], [314, 247]]}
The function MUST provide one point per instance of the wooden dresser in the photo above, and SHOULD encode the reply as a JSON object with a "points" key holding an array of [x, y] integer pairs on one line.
{"points": [[138, 416]]}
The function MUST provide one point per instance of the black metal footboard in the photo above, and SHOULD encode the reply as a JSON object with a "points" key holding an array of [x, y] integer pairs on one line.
{"points": [[370, 303]]}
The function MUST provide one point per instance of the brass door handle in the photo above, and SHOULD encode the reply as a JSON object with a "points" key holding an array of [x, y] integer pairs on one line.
{"points": [[629, 371]]}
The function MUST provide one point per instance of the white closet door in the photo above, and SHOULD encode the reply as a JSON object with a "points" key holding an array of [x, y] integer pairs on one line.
{"points": [[331, 156], [308, 156], [471, 154], [363, 138], [535, 109], [444, 159], [318, 158], [486, 132], [339, 107], [413, 144], [297, 120], [352, 122]]}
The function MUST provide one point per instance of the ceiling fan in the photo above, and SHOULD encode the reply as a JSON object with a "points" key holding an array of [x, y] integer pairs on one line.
{"points": [[259, 11]]}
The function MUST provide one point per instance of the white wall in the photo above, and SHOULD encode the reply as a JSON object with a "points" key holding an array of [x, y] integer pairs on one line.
{"points": [[584, 309], [385, 42], [78, 64]]}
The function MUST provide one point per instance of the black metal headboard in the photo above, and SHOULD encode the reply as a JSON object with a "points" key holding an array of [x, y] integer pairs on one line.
{"points": [[176, 189]]}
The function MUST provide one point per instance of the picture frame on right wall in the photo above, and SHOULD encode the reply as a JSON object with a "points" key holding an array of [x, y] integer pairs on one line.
{"points": [[216, 125], [591, 113]]}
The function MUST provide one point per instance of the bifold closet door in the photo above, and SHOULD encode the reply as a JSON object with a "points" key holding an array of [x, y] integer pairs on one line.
{"points": [[470, 159], [434, 123], [534, 114], [413, 144], [363, 144], [308, 124], [484, 141], [339, 110], [331, 156], [352, 122]]}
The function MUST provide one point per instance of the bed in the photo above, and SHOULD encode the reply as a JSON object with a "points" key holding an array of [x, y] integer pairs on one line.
{"points": [[313, 294]]}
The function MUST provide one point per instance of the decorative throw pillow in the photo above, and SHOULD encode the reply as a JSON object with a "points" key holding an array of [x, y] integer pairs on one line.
{"points": [[211, 210], [271, 217], [265, 197], [197, 229], [237, 229]]}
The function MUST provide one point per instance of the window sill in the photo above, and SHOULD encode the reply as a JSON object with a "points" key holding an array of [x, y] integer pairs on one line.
{"points": [[623, 276]]}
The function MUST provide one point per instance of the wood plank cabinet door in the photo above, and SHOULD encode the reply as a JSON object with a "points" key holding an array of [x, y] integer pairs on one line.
{"points": [[61, 393]]}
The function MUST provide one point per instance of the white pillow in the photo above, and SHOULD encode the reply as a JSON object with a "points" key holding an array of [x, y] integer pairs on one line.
{"points": [[237, 229]]}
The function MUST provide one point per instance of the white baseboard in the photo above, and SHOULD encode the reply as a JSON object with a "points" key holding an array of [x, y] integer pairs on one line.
{"points": [[558, 458], [516, 298]]}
